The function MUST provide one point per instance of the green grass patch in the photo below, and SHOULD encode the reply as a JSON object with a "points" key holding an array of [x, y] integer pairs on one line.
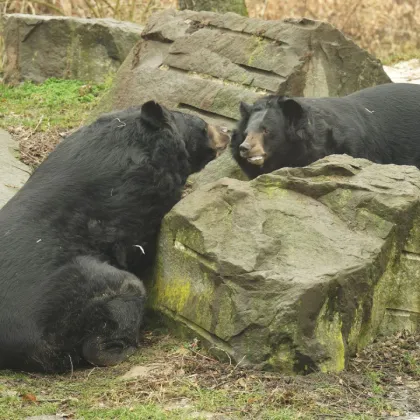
{"points": [[54, 103]]}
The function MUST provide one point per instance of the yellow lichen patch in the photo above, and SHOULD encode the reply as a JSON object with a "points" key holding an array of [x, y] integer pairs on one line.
{"points": [[283, 360], [384, 291], [173, 294], [378, 225], [258, 50], [356, 327], [182, 284], [202, 307], [225, 324], [273, 191], [403, 306], [338, 199], [328, 333], [191, 238], [272, 187], [413, 242]]}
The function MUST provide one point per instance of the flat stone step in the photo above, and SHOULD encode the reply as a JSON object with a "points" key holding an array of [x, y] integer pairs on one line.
{"points": [[13, 173]]}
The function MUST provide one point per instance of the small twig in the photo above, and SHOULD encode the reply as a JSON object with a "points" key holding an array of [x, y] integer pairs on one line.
{"points": [[21, 169], [146, 10], [91, 8], [203, 356], [123, 124], [43, 3], [139, 246], [113, 9], [240, 361], [227, 354], [350, 14], [117, 10], [43, 400], [36, 128], [6, 4], [264, 9], [71, 365], [90, 373]]}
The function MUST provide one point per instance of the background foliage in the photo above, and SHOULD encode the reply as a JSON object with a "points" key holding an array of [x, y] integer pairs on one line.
{"points": [[387, 28]]}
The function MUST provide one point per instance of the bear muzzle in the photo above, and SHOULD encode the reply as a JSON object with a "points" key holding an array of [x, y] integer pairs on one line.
{"points": [[252, 149], [219, 138]]}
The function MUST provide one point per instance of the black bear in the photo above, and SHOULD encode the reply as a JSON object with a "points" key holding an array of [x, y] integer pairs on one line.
{"points": [[68, 292], [380, 123]]}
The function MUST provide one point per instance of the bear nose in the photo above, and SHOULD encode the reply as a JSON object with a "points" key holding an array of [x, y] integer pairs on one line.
{"points": [[244, 147]]}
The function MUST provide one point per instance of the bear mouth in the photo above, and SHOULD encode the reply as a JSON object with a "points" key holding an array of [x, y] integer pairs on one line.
{"points": [[256, 160]]}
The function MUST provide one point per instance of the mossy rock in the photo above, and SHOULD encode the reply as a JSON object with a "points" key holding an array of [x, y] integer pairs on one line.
{"points": [[39, 47], [206, 63], [296, 270]]}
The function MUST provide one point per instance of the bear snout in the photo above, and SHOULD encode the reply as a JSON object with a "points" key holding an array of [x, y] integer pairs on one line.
{"points": [[244, 148], [252, 149]]}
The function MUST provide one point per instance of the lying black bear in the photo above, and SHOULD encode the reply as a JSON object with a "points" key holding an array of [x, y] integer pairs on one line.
{"points": [[96, 201], [380, 123]]}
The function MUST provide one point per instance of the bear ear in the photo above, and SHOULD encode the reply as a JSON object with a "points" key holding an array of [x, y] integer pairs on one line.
{"points": [[292, 111], [152, 113], [245, 109]]}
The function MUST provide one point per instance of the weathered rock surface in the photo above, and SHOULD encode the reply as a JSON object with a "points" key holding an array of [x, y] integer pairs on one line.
{"points": [[223, 166], [39, 47], [298, 269], [13, 173], [207, 63]]}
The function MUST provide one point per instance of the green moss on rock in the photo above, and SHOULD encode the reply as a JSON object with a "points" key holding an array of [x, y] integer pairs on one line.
{"points": [[293, 271], [329, 335]]}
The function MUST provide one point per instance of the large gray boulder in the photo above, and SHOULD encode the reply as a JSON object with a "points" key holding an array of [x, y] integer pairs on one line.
{"points": [[206, 63], [39, 47], [298, 269]]}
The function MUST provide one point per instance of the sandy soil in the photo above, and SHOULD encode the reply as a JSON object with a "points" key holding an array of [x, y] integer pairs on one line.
{"points": [[405, 71]]}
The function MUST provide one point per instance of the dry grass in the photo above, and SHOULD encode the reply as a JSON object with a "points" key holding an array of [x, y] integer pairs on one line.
{"points": [[386, 28], [132, 10], [35, 146]]}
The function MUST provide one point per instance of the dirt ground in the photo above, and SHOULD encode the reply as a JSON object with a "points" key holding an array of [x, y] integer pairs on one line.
{"points": [[176, 380], [405, 71]]}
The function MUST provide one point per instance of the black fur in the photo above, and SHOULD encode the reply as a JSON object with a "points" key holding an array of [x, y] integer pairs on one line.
{"points": [[381, 124], [87, 209]]}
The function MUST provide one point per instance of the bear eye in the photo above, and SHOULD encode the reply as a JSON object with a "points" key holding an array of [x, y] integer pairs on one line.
{"points": [[265, 130]]}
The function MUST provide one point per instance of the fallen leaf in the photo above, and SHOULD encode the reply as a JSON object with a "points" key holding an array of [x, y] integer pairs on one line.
{"points": [[241, 382], [29, 397], [146, 371], [182, 351]]}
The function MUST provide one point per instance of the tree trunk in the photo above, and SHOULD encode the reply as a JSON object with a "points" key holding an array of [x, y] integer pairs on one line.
{"points": [[219, 6]]}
